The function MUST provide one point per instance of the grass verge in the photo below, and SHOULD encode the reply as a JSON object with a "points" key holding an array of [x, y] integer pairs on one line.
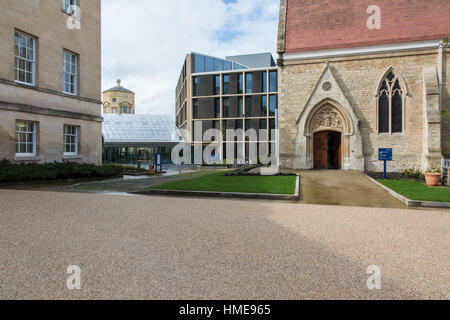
{"points": [[218, 182], [418, 191]]}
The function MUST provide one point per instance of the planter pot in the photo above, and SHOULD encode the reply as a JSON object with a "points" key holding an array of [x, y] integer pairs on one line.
{"points": [[433, 179]]}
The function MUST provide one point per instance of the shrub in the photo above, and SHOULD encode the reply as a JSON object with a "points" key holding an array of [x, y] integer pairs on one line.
{"points": [[413, 174], [56, 171]]}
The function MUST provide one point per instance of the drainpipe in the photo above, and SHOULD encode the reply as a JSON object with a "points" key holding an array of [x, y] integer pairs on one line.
{"points": [[440, 72]]}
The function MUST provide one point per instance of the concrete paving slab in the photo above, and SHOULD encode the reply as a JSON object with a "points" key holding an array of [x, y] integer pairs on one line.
{"points": [[346, 188]]}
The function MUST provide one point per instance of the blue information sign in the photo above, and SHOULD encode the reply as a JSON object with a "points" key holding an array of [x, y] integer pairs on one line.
{"points": [[385, 154]]}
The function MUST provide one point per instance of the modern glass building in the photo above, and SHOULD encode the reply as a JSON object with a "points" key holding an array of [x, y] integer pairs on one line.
{"points": [[128, 138], [239, 92]]}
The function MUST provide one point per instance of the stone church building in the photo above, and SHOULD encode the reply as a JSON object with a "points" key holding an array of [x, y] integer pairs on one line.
{"points": [[355, 78]]}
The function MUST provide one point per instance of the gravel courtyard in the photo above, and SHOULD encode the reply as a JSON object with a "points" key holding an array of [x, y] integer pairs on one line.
{"points": [[177, 248]]}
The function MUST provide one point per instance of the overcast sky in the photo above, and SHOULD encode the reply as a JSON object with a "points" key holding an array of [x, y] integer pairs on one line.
{"points": [[145, 41]]}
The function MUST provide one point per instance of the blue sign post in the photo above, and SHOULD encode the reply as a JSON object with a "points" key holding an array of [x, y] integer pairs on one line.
{"points": [[385, 154], [158, 162]]}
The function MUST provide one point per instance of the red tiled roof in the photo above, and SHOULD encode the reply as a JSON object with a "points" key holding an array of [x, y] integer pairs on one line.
{"points": [[331, 24]]}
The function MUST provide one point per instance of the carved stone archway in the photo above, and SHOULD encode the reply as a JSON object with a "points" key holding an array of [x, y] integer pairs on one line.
{"points": [[329, 115]]}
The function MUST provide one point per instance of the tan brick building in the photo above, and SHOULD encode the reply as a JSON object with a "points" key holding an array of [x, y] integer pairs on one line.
{"points": [[119, 100], [348, 88], [50, 81]]}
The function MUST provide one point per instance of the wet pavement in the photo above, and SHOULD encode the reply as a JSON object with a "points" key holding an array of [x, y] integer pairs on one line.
{"points": [[317, 187], [110, 186], [345, 189]]}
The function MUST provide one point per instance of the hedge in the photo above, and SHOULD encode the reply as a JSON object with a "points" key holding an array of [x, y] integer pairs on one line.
{"points": [[55, 171]]}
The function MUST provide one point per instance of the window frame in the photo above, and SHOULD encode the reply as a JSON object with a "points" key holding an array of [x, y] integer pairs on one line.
{"points": [[76, 135], [76, 75], [226, 107], [34, 142], [217, 85], [67, 4], [125, 106], [195, 86], [226, 84], [273, 83], [249, 80], [390, 94], [17, 58], [195, 109]]}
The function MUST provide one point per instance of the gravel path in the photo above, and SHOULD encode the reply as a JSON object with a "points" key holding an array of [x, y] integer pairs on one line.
{"points": [[178, 248]]}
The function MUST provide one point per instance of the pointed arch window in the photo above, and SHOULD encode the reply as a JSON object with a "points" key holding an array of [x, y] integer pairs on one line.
{"points": [[391, 103]]}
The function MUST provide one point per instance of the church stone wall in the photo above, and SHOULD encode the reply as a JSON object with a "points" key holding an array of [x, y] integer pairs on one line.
{"points": [[359, 78]]}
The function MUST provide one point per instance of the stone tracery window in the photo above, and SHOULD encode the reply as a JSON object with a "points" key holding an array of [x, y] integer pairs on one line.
{"points": [[391, 101]]}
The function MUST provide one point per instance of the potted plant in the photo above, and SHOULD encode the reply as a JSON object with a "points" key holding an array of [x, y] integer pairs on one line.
{"points": [[433, 177]]}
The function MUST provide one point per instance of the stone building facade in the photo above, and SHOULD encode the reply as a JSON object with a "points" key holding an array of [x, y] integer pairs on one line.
{"points": [[50, 81], [341, 101], [119, 100]]}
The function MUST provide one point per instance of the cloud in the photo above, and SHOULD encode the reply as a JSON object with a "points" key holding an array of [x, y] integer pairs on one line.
{"points": [[145, 41]]}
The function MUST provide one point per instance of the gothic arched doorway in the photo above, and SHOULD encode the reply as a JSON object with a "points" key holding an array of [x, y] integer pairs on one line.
{"points": [[327, 150]]}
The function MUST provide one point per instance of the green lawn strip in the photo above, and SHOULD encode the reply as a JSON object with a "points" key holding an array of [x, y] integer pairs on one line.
{"points": [[218, 182], [418, 191]]}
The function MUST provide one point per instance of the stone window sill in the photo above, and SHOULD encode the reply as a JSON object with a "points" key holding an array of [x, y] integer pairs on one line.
{"points": [[19, 159], [72, 157]]}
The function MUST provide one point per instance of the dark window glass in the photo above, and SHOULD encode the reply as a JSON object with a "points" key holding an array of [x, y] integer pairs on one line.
{"points": [[390, 76], [195, 87], [241, 83], [227, 65], [224, 129], [271, 128], [209, 64], [264, 81], [239, 124], [272, 104], [248, 124], [218, 65], [217, 86], [273, 81], [237, 66], [196, 107], [215, 125], [240, 107], [397, 112], [226, 84], [249, 83], [390, 105], [226, 107], [248, 106], [199, 63], [383, 117], [217, 107], [263, 126], [264, 106]]}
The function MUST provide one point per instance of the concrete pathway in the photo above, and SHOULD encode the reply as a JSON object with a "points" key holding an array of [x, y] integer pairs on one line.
{"points": [[344, 188], [182, 248]]}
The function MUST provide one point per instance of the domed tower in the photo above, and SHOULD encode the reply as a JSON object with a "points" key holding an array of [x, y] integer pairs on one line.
{"points": [[118, 100]]}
